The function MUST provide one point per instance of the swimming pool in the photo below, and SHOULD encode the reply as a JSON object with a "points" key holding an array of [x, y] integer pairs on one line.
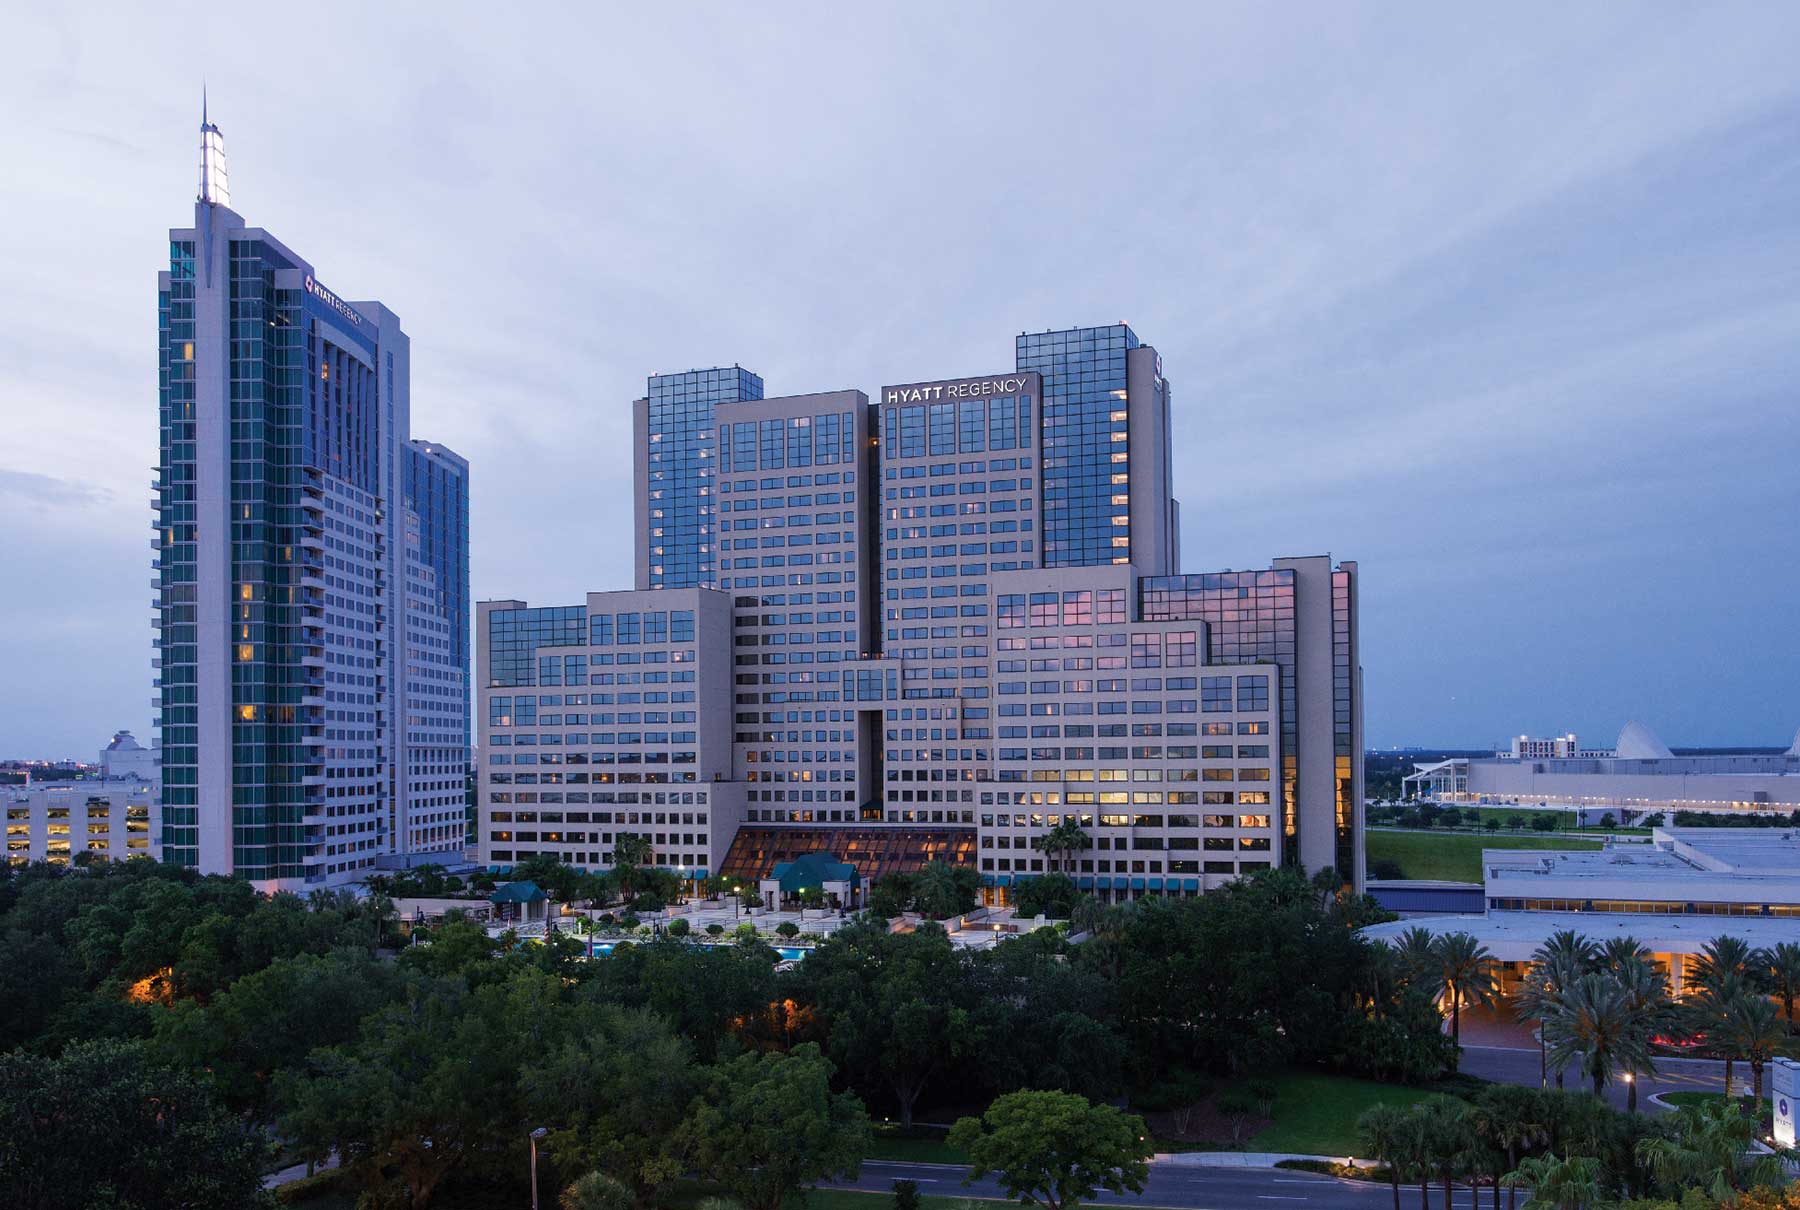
{"points": [[789, 953]]}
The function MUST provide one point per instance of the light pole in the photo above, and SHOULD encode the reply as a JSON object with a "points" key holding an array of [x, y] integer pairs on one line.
{"points": [[536, 1135]]}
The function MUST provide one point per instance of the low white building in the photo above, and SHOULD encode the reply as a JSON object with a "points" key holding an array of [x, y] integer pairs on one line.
{"points": [[1673, 895], [1639, 776]]}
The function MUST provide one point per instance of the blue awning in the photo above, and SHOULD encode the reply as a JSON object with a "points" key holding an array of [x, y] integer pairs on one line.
{"points": [[1085, 882], [987, 880], [1004, 879], [1137, 884], [1190, 884], [1156, 884]]}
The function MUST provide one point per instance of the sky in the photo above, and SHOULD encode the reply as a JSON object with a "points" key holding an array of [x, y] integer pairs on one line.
{"points": [[1500, 303]]}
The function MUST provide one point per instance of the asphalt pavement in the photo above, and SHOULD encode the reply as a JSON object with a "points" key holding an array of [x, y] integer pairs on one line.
{"points": [[1506, 1065], [1183, 1187]]}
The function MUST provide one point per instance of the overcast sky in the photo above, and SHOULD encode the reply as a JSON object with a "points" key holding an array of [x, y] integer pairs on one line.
{"points": [[1507, 313]]}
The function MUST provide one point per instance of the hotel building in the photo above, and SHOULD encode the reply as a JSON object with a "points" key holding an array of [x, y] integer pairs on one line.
{"points": [[950, 618], [311, 572]]}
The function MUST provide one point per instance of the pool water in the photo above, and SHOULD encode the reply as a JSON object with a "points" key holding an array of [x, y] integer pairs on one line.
{"points": [[789, 953]]}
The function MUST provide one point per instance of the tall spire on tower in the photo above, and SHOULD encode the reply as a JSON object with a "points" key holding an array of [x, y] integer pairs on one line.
{"points": [[214, 187]]}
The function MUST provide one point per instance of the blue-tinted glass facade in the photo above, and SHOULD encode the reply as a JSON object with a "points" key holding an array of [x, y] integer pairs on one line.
{"points": [[681, 459], [1250, 620], [514, 635], [1086, 446], [178, 557], [437, 491]]}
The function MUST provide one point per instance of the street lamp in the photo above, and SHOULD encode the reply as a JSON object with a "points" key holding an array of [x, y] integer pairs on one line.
{"points": [[536, 1136]]}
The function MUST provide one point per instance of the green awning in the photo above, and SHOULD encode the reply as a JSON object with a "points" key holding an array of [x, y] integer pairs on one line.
{"points": [[812, 870], [524, 891]]}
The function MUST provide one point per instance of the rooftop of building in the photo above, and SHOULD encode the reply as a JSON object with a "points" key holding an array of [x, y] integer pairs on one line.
{"points": [[1673, 855], [1512, 936]]}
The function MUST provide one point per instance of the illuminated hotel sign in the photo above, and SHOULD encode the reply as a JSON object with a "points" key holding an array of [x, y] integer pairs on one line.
{"points": [[971, 388], [331, 300]]}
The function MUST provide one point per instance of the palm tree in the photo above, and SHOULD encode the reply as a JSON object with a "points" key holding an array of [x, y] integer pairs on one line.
{"points": [[1509, 1119], [1540, 995], [1617, 951], [1750, 1026], [1066, 839], [1708, 1011], [1709, 1148], [1781, 967], [1571, 1184], [1647, 1000], [1595, 1027], [1384, 1134], [1417, 951], [1444, 1123], [1466, 973], [1722, 957], [1568, 946]]}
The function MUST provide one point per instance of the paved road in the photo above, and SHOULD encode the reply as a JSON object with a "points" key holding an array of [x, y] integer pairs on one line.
{"points": [[1509, 1066], [1182, 1186]]}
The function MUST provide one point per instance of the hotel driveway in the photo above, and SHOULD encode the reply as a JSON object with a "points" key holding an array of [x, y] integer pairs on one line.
{"points": [[1505, 1065]]}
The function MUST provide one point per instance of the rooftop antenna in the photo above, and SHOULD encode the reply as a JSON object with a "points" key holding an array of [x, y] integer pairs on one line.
{"points": [[214, 185]]}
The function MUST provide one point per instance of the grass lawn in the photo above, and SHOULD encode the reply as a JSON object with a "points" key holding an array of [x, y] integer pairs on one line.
{"points": [[1315, 1113], [1453, 856]]}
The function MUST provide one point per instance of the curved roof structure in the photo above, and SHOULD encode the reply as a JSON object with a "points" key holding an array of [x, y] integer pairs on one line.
{"points": [[123, 741], [1795, 750], [1638, 742]]}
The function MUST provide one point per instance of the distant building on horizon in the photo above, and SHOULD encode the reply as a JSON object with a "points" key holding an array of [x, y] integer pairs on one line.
{"points": [[114, 812], [312, 577], [1639, 775]]}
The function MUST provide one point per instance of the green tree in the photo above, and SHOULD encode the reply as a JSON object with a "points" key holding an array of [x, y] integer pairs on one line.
{"points": [[1465, 972], [1062, 842], [897, 1009], [768, 1126], [1563, 957], [1560, 1184], [1726, 957], [102, 1125], [1509, 1120], [596, 1191], [1708, 1146], [1054, 1149], [1781, 964], [270, 1020], [429, 1086], [1386, 1135], [1053, 895], [941, 890], [1447, 1136], [615, 1082], [1595, 1028], [1750, 1028]]}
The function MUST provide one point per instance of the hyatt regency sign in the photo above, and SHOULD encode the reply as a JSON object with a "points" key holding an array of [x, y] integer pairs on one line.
{"points": [[972, 388]]}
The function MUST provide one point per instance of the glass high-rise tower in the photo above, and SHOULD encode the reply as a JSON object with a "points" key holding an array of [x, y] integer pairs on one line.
{"points": [[677, 459], [312, 574]]}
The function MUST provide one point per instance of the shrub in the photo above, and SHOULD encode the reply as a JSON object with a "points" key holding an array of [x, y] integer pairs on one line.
{"points": [[713, 930], [1237, 1106], [629, 920], [596, 1191], [906, 1195], [787, 928], [1543, 821], [1491, 824], [679, 927], [1385, 869], [1516, 822]]}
